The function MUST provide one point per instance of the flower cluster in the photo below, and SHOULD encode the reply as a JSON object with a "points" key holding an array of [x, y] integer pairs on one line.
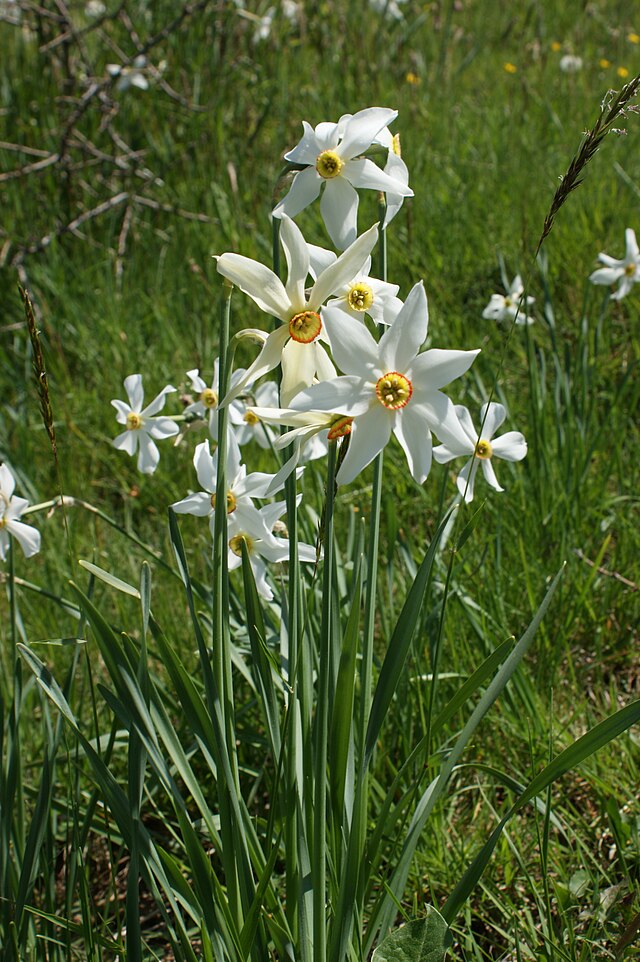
{"points": [[350, 354]]}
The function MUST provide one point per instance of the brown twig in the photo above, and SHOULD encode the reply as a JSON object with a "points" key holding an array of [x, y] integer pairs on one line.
{"points": [[603, 571]]}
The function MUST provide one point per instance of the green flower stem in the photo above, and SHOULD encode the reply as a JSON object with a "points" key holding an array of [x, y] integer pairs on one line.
{"points": [[319, 866], [221, 639]]}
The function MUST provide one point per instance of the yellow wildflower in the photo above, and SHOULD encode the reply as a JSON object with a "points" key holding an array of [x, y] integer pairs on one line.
{"points": [[510, 67], [622, 72]]}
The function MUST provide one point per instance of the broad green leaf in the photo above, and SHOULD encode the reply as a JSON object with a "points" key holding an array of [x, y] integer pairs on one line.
{"points": [[423, 940], [585, 746], [109, 579]]}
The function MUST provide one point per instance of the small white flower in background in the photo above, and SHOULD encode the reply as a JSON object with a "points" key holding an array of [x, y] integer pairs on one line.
{"points": [[95, 8], [142, 426], [482, 448], [250, 427], [206, 407], [389, 388], [331, 156], [570, 63], [11, 508], [242, 488], [388, 8], [296, 342], [506, 307], [626, 271], [133, 76], [254, 529]]}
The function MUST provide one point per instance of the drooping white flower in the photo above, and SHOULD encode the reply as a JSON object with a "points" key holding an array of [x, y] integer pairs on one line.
{"points": [[482, 448], [11, 509], [331, 157], [625, 271], [242, 488], [254, 529], [389, 388], [208, 398], [142, 425], [297, 342], [133, 76], [507, 307], [250, 426]]}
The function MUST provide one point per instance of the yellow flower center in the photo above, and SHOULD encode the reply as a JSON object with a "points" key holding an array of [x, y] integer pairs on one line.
{"points": [[134, 421], [305, 327], [630, 270], [483, 450], [340, 428], [395, 145], [328, 164], [508, 302], [236, 543], [251, 418], [209, 398], [360, 297], [394, 390], [231, 502]]}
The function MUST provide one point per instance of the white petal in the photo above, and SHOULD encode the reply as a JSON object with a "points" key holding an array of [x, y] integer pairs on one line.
{"points": [[494, 311], [492, 415], [610, 261], [433, 369], [268, 358], [328, 134], [158, 402], [148, 455], [27, 537], [319, 260], [413, 434], [127, 441], [396, 168], [205, 466], [259, 282], [467, 479], [17, 507], [364, 173], [369, 434], [626, 283], [362, 128], [462, 413], [631, 243], [606, 275], [7, 481], [307, 148], [296, 253], [510, 447], [135, 393], [343, 270], [299, 364], [402, 341], [339, 209], [304, 189], [354, 349], [197, 383], [443, 454], [490, 475], [123, 410], [161, 428], [198, 504], [345, 395]]}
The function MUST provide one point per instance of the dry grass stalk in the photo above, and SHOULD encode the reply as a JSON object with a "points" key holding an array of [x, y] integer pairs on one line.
{"points": [[610, 112], [42, 382]]}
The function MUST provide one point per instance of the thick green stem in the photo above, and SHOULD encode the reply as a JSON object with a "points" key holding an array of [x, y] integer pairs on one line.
{"points": [[322, 726]]}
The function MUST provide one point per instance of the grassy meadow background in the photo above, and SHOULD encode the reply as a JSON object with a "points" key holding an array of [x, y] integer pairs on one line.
{"points": [[488, 123]]}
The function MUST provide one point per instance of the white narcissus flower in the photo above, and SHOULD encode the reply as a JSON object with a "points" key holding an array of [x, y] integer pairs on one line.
{"points": [[206, 407], [241, 487], [254, 528], [331, 156], [626, 271], [296, 342], [389, 388], [482, 448], [142, 425], [132, 76], [395, 167], [11, 509], [251, 427], [507, 307]]}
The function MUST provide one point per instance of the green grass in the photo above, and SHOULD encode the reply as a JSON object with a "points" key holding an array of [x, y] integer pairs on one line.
{"points": [[485, 149]]}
